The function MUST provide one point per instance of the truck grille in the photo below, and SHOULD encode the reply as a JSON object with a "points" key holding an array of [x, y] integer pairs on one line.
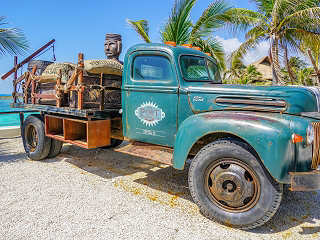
{"points": [[316, 145]]}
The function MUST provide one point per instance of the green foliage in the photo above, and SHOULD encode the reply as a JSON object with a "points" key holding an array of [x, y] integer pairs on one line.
{"points": [[304, 75], [180, 29], [12, 40], [297, 63], [285, 23], [240, 74], [211, 19], [142, 28], [178, 26]]}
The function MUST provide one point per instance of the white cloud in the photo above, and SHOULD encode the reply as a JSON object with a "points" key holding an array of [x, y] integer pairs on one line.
{"points": [[253, 55]]}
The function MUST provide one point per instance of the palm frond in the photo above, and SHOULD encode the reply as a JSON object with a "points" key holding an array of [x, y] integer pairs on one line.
{"points": [[265, 6], [12, 40], [307, 18], [142, 28], [178, 26], [280, 7], [241, 19], [246, 46], [210, 19], [257, 30]]}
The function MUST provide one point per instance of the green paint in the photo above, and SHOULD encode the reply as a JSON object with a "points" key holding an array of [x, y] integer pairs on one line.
{"points": [[161, 107]]}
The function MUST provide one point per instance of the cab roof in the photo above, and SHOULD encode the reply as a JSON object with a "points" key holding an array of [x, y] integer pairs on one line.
{"points": [[175, 51]]}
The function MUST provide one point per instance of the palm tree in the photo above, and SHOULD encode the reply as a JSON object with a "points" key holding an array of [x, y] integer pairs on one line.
{"points": [[240, 74], [180, 29], [284, 23], [12, 40], [233, 74], [312, 51]]}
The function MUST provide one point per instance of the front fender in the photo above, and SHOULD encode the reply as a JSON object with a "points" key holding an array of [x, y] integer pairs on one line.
{"points": [[268, 133]]}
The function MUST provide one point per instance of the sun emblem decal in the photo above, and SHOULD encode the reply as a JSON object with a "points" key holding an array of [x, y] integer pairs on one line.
{"points": [[149, 114]]}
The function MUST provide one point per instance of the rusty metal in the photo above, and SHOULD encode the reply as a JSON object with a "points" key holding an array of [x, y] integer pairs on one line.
{"points": [[26, 60], [148, 151], [31, 137], [232, 185], [305, 181], [316, 146]]}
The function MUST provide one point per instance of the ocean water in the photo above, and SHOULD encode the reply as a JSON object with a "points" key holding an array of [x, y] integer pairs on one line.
{"points": [[7, 120]]}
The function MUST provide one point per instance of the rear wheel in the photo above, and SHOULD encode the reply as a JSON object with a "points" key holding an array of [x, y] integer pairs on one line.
{"points": [[36, 144], [55, 149], [230, 186]]}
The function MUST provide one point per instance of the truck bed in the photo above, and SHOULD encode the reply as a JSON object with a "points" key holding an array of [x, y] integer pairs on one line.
{"points": [[84, 113]]}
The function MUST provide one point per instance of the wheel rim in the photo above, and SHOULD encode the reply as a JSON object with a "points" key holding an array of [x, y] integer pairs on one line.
{"points": [[232, 185], [31, 138]]}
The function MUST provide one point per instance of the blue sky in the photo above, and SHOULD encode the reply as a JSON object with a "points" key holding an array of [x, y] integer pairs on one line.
{"points": [[80, 26]]}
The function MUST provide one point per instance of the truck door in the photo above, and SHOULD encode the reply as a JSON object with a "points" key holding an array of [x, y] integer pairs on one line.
{"points": [[150, 98]]}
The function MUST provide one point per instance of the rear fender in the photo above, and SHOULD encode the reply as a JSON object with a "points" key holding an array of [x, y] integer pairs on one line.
{"points": [[268, 133]]}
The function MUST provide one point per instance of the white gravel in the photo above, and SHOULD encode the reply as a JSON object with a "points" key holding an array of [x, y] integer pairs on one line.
{"points": [[102, 194]]}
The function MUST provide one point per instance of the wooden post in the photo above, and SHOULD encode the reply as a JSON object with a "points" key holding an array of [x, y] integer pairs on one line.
{"points": [[80, 80], [58, 89], [15, 62], [101, 93], [33, 85]]}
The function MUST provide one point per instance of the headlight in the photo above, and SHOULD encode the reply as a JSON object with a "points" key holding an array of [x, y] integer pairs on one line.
{"points": [[310, 134]]}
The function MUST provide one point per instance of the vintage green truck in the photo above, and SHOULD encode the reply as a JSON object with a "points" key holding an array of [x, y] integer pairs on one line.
{"points": [[244, 142]]}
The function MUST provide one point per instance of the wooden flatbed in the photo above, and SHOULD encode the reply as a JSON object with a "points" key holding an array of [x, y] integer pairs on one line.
{"points": [[82, 113]]}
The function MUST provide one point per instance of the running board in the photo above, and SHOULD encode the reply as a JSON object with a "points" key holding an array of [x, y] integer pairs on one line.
{"points": [[148, 151]]}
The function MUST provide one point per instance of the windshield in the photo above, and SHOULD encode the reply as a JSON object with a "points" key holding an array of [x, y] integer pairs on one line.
{"points": [[199, 69]]}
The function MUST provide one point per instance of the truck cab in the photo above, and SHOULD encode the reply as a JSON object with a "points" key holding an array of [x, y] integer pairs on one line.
{"points": [[245, 142]]}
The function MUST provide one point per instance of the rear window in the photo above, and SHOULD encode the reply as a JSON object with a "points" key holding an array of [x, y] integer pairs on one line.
{"points": [[147, 67]]}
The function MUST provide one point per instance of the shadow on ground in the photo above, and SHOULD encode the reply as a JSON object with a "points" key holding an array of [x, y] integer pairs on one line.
{"points": [[8, 155], [297, 208]]}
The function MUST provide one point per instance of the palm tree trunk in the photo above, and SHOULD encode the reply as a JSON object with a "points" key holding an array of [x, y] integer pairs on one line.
{"points": [[315, 66], [290, 72], [276, 71]]}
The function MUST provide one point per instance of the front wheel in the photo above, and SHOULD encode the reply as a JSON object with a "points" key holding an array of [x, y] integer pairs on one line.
{"points": [[230, 186], [35, 142]]}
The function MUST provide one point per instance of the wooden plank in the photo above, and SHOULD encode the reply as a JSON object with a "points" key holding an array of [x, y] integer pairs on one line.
{"points": [[61, 138], [45, 96], [99, 133]]}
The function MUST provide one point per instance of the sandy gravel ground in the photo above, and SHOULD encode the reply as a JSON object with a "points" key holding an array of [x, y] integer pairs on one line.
{"points": [[102, 194]]}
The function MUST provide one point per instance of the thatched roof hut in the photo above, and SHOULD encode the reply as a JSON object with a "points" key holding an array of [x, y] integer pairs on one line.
{"points": [[263, 66]]}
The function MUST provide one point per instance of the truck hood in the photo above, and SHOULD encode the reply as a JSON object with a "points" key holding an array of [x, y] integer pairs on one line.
{"points": [[284, 99]]}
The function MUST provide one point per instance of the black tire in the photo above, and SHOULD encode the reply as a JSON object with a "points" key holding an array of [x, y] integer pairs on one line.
{"points": [[36, 144], [215, 194], [114, 143], [55, 149]]}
